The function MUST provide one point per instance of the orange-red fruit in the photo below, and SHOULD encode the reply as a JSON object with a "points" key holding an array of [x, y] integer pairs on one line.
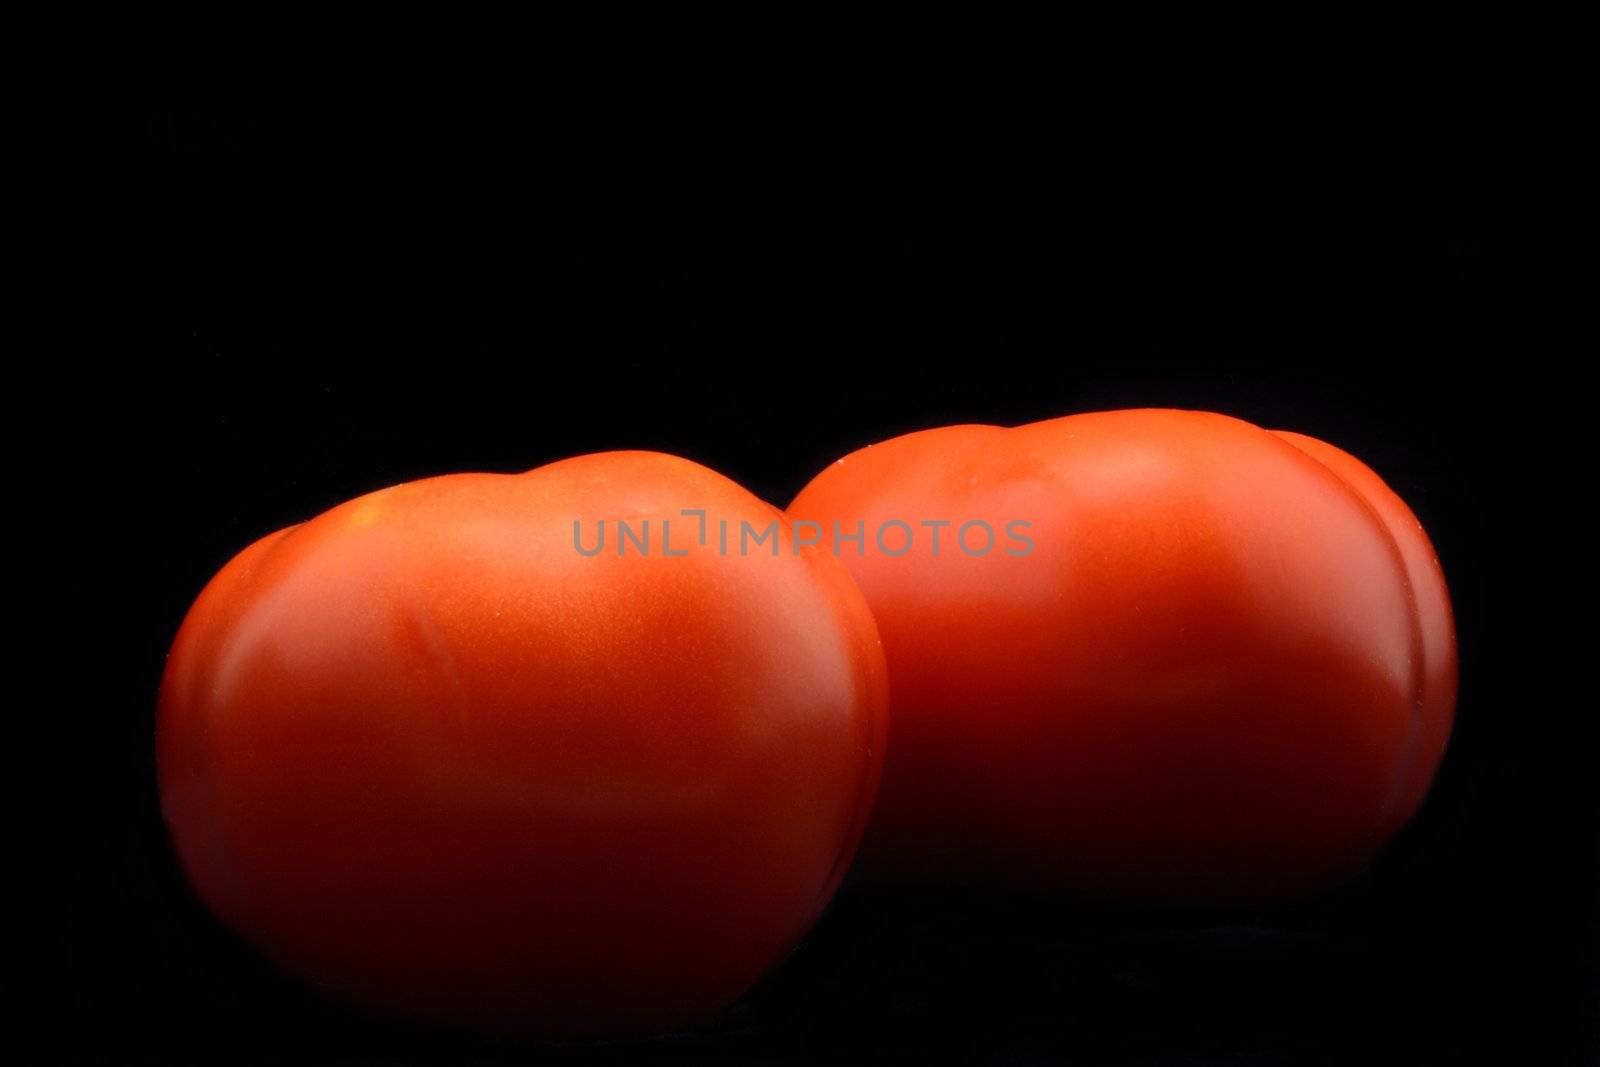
{"points": [[425, 754], [1225, 670]]}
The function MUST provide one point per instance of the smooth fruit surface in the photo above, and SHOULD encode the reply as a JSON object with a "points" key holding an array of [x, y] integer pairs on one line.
{"points": [[1224, 669], [429, 756]]}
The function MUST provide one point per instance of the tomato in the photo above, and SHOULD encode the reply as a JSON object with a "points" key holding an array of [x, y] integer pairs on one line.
{"points": [[429, 753], [1197, 661]]}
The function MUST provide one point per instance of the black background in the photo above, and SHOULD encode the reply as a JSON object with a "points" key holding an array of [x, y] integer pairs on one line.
{"points": [[327, 302]]}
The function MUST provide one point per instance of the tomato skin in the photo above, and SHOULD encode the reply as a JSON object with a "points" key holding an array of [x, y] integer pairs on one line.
{"points": [[1437, 704], [429, 757], [1225, 671]]}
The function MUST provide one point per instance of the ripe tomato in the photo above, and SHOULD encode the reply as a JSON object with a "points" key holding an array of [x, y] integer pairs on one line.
{"points": [[428, 755], [1211, 661]]}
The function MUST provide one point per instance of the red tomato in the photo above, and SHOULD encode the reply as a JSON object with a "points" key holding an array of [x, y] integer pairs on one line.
{"points": [[1224, 669], [426, 754]]}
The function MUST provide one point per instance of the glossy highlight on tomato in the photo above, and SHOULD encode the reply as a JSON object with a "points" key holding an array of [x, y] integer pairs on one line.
{"points": [[431, 758], [1226, 670]]}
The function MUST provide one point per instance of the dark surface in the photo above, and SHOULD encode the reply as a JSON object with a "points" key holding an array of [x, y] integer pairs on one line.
{"points": [[321, 312]]}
